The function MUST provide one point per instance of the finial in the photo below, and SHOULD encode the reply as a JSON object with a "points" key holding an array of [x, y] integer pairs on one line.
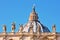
{"points": [[34, 7], [21, 28], [54, 28], [4, 28], [13, 23], [13, 26]]}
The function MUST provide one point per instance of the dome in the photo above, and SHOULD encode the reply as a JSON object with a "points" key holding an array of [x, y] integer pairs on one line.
{"points": [[35, 24], [33, 21]]}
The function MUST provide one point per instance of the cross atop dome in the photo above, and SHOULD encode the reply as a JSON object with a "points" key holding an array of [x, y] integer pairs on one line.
{"points": [[33, 8]]}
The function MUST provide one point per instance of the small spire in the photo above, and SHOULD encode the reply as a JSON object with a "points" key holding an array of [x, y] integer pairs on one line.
{"points": [[34, 7]]}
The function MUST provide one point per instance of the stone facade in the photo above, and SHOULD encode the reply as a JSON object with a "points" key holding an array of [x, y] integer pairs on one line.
{"points": [[33, 30]]}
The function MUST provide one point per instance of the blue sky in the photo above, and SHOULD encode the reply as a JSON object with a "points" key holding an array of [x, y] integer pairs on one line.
{"points": [[18, 11]]}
